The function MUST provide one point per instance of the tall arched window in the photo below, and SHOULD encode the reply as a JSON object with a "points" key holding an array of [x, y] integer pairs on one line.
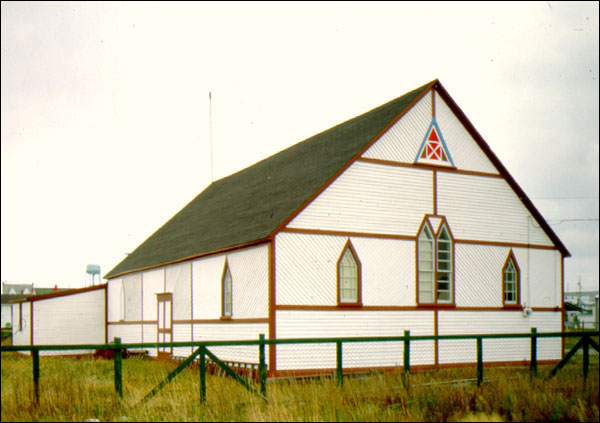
{"points": [[510, 281], [435, 273], [226, 283], [349, 277], [426, 268]]}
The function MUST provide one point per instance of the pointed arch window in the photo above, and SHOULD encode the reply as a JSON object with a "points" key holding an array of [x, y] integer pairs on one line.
{"points": [[349, 277], [435, 273], [510, 281], [226, 284]]}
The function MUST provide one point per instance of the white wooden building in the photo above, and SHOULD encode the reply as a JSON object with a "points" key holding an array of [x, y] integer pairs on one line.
{"points": [[399, 219]]}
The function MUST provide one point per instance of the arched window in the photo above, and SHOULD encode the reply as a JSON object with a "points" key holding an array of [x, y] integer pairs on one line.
{"points": [[444, 266], [435, 273], [226, 291], [349, 277], [510, 281], [426, 269]]}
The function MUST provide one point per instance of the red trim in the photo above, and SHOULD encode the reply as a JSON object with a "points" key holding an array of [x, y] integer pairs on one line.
{"points": [[31, 323], [106, 313], [272, 308], [421, 307], [423, 166], [64, 293], [434, 192]]}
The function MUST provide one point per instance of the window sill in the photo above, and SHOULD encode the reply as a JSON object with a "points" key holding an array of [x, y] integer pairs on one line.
{"points": [[225, 318], [352, 305], [436, 305], [512, 307]]}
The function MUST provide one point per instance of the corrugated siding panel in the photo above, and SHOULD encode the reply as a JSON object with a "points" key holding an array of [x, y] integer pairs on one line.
{"points": [[207, 273], [486, 209], [250, 284], [371, 198], [309, 324], [465, 152], [307, 275], [250, 272], [70, 319], [178, 281], [306, 268], [402, 141], [478, 275], [486, 322], [232, 331], [153, 283]]}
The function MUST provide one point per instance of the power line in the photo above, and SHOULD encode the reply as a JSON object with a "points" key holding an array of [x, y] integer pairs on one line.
{"points": [[571, 220]]}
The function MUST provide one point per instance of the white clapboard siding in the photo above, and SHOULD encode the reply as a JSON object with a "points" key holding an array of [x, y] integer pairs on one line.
{"points": [[544, 277], [178, 282], [129, 333], [114, 293], [402, 141], [182, 333], [149, 334], [21, 330], [465, 152], [311, 324], [371, 198], [307, 275], [478, 275], [132, 296], [229, 332], [70, 319], [154, 283], [495, 322], [250, 281], [486, 209]]}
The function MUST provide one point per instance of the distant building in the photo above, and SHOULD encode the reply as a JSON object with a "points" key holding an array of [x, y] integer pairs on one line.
{"points": [[15, 292], [584, 314]]}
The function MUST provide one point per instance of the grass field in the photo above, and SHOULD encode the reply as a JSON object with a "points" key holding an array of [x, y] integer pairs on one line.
{"points": [[80, 389]]}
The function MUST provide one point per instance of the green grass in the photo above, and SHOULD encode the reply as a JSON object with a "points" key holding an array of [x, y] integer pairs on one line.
{"points": [[79, 389]]}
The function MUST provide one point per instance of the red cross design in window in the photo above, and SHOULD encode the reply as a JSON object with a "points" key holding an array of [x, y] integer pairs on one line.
{"points": [[433, 148]]}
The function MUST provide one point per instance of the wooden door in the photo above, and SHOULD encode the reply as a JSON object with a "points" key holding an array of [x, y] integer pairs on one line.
{"points": [[165, 323]]}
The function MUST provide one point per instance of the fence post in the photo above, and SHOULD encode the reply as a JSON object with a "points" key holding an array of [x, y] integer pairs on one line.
{"points": [[479, 361], [406, 351], [262, 366], [36, 375], [202, 363], [586, 358], [118, 368], [339, 375], [533, 361]]}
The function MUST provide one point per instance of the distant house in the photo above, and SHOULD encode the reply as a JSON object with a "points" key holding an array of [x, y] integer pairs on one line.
{"points": [[399, 219], [12, 293]]}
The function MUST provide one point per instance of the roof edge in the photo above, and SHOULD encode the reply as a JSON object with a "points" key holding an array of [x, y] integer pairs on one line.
{"points": [[501, 169]]}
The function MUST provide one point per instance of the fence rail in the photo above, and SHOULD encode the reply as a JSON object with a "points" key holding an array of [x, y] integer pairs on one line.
{"points": [[201, 353]]}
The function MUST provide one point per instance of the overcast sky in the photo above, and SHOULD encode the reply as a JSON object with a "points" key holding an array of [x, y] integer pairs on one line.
{"points": [[105, 112]]}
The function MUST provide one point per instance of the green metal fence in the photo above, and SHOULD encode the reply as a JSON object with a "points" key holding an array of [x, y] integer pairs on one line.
{"points": [[202, 352]]}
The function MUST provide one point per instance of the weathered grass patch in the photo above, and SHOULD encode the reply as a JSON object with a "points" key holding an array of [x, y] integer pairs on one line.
{"points": [[80, 389]]}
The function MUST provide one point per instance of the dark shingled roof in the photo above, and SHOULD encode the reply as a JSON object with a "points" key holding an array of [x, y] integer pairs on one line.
{"points": [[251, 204]]}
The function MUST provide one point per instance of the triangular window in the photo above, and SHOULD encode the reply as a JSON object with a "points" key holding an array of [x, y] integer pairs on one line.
{"points": [[433, 148]]}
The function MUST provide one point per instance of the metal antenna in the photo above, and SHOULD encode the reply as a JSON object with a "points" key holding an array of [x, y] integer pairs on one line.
{"points": [[211, 135]]}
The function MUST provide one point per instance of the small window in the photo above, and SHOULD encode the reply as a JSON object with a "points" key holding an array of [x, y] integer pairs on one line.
{"points": [[349, 289], [226, 283], [510, 281]]}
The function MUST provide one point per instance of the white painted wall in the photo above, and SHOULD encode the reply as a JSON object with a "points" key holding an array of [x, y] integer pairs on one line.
{"points": [[70, 319], [154, 283], [306, 269], [114, 293], [486, 209], [21, 333], [329, 324], [6, 315], [250, 283], [487, 322], [371, 198], [232, 331]]}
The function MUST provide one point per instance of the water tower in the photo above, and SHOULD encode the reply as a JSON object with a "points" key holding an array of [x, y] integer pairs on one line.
{"points": [[93, 270]]}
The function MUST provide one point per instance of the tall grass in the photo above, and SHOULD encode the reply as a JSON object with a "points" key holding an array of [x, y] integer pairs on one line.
{"points": [[79, 389]]}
